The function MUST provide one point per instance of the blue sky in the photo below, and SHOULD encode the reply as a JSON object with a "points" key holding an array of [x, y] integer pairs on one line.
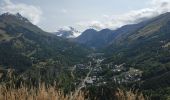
{"points": [[53, 14]]}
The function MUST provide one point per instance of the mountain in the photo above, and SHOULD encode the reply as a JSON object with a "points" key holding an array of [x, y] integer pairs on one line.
{"points": [[147, 49], [24, 45], [143, 30], [70, 32], [86, 37], [105, 37], [95, 39]]}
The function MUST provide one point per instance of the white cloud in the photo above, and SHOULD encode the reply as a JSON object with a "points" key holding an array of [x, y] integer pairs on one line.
{"points": [[156, 7], [29, 11], [90, 24]]}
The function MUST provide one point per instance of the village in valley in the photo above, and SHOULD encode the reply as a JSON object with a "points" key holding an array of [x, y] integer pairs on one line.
{"points": [[102, 74]]}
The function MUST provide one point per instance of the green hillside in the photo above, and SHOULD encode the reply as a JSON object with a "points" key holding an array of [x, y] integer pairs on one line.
{"points": [[23, 45], [146, 49]]}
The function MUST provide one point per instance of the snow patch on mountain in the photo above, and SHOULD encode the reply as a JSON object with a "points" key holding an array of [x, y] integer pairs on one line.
{"points": [[68, 32]]}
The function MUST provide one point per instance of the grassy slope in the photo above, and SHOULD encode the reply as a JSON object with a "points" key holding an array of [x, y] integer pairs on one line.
{"points": [[146, 49]]}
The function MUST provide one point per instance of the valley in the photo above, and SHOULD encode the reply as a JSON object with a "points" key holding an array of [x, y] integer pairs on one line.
{"points": [[135, 56]]}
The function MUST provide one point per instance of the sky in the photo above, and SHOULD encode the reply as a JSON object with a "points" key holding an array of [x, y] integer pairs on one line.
{"points": [[51, 15]]}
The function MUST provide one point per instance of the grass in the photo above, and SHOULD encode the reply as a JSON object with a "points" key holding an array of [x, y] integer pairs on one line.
{"points": [[130, 95], [44, 92], [11, 91], [41, 93]]}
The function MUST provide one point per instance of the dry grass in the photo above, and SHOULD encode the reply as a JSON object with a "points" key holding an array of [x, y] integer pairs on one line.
{"points": [[48, 92], [130, 95], [41, 93]]}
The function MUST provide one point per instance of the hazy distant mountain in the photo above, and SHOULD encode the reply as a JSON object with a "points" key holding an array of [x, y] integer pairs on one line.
{"points": [[69, 32], [23, 45], [105, 37], [93, 38]]}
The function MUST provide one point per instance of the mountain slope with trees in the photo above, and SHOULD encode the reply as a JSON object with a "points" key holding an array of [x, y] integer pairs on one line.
{"points": [[23, 45]]}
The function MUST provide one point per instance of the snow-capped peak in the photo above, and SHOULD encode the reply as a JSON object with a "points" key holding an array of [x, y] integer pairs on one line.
{"points": [[68, 32]]}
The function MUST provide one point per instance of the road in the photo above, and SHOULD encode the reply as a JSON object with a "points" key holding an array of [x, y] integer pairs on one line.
{"points": [[72, 71], [82, 84]]}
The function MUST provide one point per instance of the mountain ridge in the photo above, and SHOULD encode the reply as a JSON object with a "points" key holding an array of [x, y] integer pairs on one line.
{"points": [[23, 45], [120, 34]]}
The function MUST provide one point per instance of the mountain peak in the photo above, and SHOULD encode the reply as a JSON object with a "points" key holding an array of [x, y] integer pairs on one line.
{"points": [[90, 30], [16, 16]]}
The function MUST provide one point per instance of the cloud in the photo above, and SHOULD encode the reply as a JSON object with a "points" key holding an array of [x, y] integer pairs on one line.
{"points": [[29, 11], [64, 11], [156, 7], [90, 24]]}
